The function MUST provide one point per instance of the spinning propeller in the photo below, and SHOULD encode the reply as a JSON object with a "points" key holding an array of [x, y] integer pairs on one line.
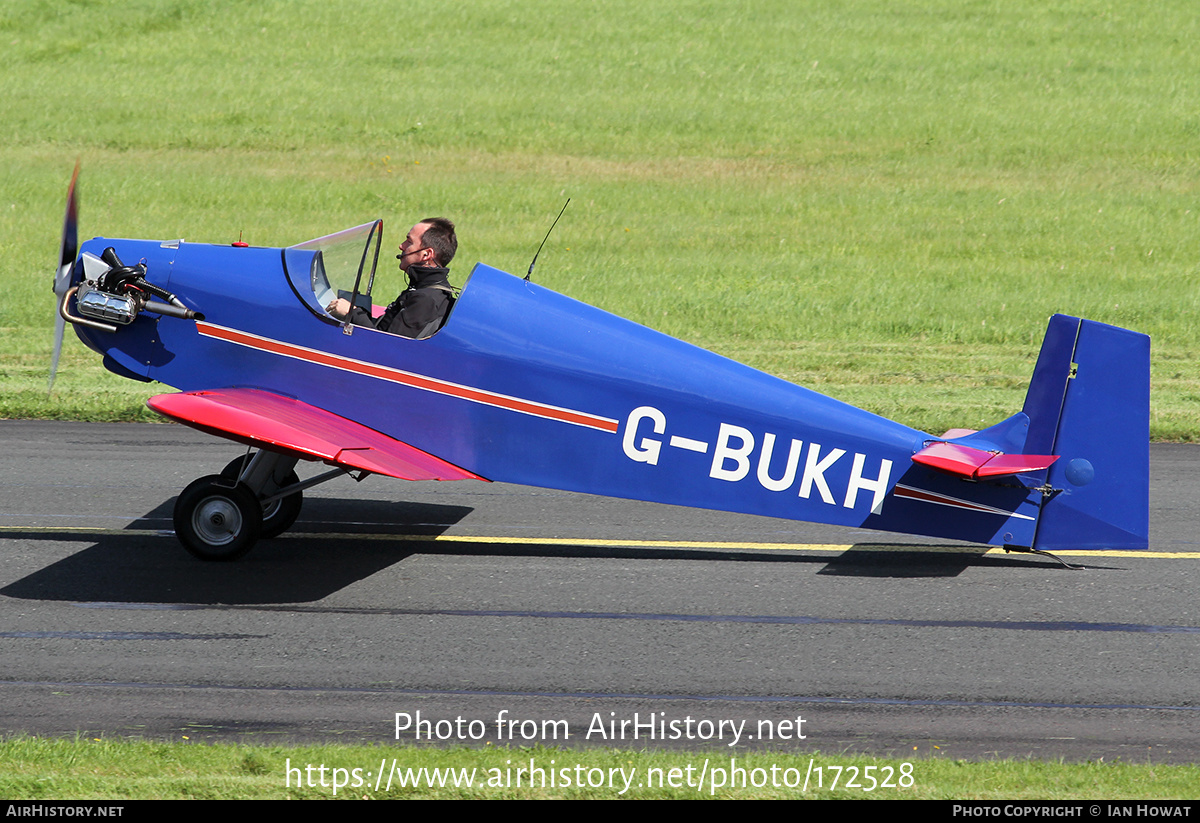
{"points": [[62, 275]]}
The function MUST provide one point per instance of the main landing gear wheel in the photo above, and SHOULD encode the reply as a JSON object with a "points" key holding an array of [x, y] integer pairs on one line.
{"points": [[279, 515], [217, 521]]}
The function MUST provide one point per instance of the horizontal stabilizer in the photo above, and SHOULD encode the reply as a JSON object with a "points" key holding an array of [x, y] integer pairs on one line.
{"points": [[279, 423], [974, 464]]}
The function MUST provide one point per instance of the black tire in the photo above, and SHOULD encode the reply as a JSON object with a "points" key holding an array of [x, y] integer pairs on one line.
{"points": [[279, 516], [217, 521]]}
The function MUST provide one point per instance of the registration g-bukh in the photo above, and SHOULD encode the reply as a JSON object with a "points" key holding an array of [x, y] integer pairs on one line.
{"points": [[524, 385]]}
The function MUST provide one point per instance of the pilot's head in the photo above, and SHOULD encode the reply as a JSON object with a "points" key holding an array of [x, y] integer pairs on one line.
{"points": [[432, 242]]}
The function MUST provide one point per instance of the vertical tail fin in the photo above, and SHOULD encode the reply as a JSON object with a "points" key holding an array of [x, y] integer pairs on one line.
{"points": [[1089, 403]]}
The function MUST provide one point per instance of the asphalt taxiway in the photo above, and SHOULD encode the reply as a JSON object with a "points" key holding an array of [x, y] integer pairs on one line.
{"points": [[489, 604]]}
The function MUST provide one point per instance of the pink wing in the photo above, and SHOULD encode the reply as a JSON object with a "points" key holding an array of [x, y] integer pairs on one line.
{"points": [[278, 423]]}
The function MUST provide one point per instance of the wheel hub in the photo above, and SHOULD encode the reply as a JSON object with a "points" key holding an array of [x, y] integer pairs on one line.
{"points": [[217, 521]]}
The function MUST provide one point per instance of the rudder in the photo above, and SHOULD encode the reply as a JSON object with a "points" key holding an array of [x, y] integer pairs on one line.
{"points": [[1089, 403]]}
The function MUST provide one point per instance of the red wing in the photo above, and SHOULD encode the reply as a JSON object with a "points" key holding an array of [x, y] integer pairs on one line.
{"points": [[976, 463], [272, 421]]}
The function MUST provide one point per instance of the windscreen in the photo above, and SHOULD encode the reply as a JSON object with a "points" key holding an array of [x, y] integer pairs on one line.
{"points": [[336, 265]]}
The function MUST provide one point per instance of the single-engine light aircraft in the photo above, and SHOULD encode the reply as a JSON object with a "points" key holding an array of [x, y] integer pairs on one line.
{"points": [[524, 385]]}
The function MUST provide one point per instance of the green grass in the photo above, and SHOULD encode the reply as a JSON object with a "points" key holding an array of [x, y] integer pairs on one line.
{"points": [[882, 201], [101, 769]]}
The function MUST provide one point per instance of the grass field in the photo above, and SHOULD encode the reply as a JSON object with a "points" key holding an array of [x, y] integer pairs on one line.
{"points": [[101, 769], [881, 201]]}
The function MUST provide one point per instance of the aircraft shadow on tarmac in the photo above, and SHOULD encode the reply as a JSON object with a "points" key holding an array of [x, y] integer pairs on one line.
{"points": [[141, 565], [340, 542]]}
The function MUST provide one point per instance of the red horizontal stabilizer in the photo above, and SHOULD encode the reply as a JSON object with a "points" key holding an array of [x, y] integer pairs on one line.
{"points": [[976, 463], [279, 423]]}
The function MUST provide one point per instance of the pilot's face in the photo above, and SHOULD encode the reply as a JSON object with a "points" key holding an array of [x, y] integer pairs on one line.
{"points": [[413, 251]]}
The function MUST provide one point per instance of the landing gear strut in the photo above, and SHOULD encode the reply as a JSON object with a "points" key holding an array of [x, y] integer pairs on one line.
{"points": [[278, 515]]}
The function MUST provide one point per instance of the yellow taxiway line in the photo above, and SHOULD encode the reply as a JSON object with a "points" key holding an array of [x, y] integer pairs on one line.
{"points": [[721, 545]]}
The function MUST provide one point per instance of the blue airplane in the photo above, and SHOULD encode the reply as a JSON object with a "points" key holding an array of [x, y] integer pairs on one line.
{"points": [[524, 385]]}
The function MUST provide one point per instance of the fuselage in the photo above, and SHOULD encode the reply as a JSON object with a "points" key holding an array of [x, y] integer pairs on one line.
{"points": [[525, 385]]}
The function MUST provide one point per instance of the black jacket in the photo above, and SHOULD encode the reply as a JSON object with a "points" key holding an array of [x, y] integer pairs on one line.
{"points": [[413, 313]]}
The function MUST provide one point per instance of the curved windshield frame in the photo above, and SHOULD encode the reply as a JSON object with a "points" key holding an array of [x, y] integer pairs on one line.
{"points": [[336, 265]]}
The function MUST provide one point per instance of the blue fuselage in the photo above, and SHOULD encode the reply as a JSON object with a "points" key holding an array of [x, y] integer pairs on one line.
{"points": [[528, 386]]}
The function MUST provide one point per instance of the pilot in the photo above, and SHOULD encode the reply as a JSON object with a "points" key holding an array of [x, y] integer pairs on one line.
{"points": [[420, 309]]}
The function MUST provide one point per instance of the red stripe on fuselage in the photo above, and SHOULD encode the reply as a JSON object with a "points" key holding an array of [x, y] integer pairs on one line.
{"points": [[926, 496], [406, 378]]}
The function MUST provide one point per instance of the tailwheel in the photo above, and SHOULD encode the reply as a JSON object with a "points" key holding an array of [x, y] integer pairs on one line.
{"points": [[217, 521], [278, 515]]}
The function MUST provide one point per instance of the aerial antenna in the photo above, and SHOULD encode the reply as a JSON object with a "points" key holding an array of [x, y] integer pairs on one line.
{"points": [[544, 239]]}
